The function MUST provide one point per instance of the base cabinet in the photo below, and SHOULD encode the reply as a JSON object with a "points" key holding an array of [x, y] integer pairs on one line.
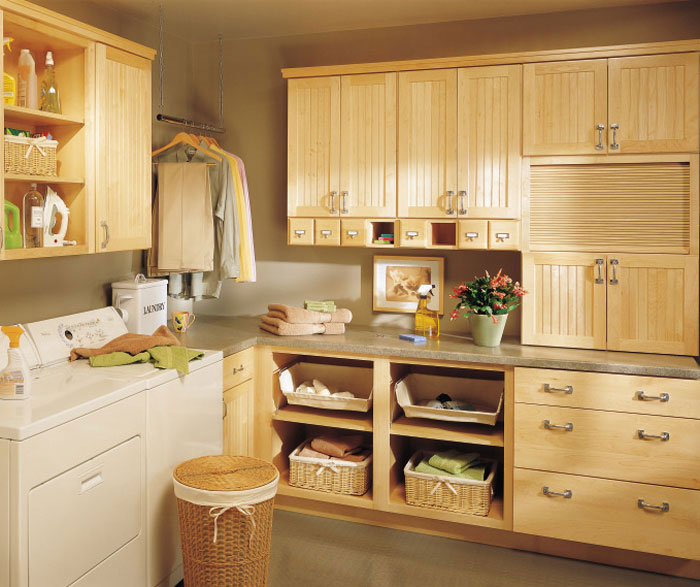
{"points": [[239, 403]]}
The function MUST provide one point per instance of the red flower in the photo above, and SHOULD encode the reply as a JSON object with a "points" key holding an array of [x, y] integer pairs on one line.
{"points": [[454, 315]]}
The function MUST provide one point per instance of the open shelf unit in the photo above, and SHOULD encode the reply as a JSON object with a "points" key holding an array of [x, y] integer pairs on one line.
{"points": [[315, 417]]}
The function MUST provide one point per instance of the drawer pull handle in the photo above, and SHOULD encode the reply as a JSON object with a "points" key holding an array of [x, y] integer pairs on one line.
{"points": [[299, 233], [502, 236], [642, 505], [352, 233], [569, 426], [239, 370], [91, 482], [326, 233], [567, 494], [664, 397], [549, 389], [471, 235], [411, 234], [644, 436]]}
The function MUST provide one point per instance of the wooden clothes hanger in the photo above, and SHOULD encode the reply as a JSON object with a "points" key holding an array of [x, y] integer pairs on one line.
{"points": [[183, 138]]}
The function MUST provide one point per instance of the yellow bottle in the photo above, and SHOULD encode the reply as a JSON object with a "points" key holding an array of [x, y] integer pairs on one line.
{"points": [[9, 82], [427, 320]]}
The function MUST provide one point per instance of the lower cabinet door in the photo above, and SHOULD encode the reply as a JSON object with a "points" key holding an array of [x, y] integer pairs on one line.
{"points": [[238, 419], [633, 516]]}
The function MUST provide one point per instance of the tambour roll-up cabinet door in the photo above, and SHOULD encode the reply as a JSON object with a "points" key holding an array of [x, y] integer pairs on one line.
{"points": [[427, 143], [123, 154], [313, 149], [653, 104], [565, 305], [368, 145], [564, 106]]}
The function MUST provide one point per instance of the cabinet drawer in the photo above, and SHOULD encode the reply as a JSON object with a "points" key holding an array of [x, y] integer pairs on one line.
{"points": [[504, 235], [238, 368], [473, 234], [327, 232], [412, 233], [300, 231], [603, 391], [604, 512], [608, 444], [353, 233]]}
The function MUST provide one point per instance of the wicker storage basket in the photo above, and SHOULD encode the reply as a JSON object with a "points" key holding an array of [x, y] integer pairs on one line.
{"points": [[30, 156], [448, 493], [333, 476], [225, 506]]}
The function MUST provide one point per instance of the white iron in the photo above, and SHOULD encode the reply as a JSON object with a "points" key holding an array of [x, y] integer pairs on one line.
{"points": [[53, 207]]}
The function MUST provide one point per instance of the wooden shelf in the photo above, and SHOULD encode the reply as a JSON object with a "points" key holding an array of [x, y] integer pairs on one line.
{"points": [[397, 505], [346, 420], [449, 431], [15, 114], [12, 254], [44, 179], [360, 501]]}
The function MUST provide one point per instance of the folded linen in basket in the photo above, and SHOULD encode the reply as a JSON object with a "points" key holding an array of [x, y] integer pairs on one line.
{"points": [[453, 461], [337, 446], [307, 451], [475, 473], [282, 328], [295, 315]]}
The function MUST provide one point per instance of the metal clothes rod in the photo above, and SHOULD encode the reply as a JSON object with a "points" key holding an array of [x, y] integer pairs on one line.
{"points": [[189, 123]]}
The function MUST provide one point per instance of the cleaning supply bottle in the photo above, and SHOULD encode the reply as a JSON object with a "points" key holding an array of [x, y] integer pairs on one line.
{"points": [[49, 100], [13, 235], [27, 95], [9, 82], [427, 320], [33, 218], [15, 379]]}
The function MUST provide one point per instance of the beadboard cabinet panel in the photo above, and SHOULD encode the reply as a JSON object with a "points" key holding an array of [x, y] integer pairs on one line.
{"points": [[239, 420]]}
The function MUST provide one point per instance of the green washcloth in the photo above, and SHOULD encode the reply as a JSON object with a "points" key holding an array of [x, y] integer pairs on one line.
{"points": [[119, 358], [174, 357], [425, 467], [475, 473], [453, 461]]}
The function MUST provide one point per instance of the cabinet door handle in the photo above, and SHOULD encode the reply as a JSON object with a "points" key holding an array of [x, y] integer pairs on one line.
{"points": [[450, 202], [642, 505], [600, 263], [549, 389], [225, 410], [241, 368], [614, 145], [566, 494], [600, 128], [344, 201], [664, 436], [333, 209], [663, 397], [104, 225], [614, 263], [460, 200], [569, 426]]}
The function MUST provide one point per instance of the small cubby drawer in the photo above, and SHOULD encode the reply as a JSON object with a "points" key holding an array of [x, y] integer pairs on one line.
{"points": [[604, 391], [353, 232], [473, 234], [327, 232], [238, 367], [300, 231], [412, 233], [504, 235], [634, 516]]}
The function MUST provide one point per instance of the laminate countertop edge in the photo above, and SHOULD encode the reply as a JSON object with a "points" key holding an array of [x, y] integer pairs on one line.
{"points": [[232, 335]]}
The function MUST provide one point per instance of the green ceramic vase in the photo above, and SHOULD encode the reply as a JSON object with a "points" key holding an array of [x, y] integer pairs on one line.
{"points": [[484, 331]]}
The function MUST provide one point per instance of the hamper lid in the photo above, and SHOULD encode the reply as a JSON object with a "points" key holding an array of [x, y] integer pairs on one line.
{"points": [[225, 473]]}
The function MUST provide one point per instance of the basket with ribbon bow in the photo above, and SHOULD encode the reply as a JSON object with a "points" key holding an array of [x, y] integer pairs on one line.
{"points": [[30, 156]]}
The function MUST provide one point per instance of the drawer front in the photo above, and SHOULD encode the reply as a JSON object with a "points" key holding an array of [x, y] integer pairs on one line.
{"points": [[624, 393], [238, 368], [300, 231], [473, 234], [504, 235], [327, 232], [353, 233], [608, 444], [412, 233], [604, 512]]}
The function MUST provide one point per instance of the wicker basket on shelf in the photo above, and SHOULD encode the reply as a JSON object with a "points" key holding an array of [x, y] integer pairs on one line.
{"points": [[464, 496], [27, 156], [333, 476]]}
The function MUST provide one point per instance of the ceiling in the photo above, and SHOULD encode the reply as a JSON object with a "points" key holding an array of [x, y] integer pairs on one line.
{"points": [[203, 20]]}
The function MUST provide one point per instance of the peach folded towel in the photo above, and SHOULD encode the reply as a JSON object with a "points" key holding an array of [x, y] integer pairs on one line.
{"points": [[282, 328], [337, 446], [295, 315], [129, 343]]}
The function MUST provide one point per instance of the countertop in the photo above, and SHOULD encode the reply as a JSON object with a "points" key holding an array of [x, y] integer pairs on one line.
{"points": [[232, 335]]}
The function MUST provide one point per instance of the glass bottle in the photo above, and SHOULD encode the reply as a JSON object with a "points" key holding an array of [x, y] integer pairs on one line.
{"points": [[427, 320], [33, 218], [50, 100]]}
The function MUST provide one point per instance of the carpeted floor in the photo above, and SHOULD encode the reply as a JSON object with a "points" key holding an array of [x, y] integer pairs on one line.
{"points": [[309, 551]]}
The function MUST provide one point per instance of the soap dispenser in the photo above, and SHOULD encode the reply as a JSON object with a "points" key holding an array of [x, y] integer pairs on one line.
{"points": [[427, 320], [15, 379]]}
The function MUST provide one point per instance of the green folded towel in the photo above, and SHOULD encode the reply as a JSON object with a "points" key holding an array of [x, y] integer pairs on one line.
{"points": [[475, 473], [453, 461], [119, 358], [162, 357]]}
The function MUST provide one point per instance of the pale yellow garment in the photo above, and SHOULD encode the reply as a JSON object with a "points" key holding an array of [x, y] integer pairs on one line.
{"points": [[244, 247]]}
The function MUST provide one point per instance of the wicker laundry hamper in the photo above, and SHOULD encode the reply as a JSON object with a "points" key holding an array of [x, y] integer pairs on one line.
{"points": [[224, 506]]}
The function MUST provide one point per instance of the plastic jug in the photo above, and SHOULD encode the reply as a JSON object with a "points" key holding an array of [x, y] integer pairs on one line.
{"points": [[13, 234], [27, 94]]}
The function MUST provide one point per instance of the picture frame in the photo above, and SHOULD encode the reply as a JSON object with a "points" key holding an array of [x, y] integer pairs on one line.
{"points": [[396, 280]]}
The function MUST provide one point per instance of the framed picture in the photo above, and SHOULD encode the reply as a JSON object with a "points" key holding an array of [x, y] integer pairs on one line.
{"points": [[397, 279]]}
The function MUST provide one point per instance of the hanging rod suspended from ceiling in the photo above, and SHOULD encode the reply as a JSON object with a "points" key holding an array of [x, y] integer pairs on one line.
{"points": [[189, 123]]}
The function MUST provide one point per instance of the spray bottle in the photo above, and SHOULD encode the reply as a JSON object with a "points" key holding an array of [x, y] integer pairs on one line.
{"points": [[427, 320], [9, 82], [15, 379]]}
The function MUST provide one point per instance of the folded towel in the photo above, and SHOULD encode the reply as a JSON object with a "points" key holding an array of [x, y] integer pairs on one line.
{"points": [[163, 357], [129, 343], [320, 306], [453, 461], [337, 446], [283, 328], [354, 458], [295, 315], [475, 473], [307, 451]]}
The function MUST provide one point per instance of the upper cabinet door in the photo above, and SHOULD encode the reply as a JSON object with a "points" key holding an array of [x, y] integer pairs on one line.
{"points": [[123, 150], [565, 108], [488, 166], [428, 144], [368, 145], [313, 151], [653, 104]]}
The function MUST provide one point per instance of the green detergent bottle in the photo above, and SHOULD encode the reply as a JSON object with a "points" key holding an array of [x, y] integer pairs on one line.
{"points": [[13, 234]]}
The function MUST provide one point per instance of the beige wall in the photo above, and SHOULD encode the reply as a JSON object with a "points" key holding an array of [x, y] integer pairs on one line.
{"points": [[255, 119]]}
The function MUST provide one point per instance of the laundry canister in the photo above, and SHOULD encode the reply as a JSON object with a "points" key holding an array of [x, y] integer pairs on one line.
{"points": [[142, 303], [224, 506]]}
